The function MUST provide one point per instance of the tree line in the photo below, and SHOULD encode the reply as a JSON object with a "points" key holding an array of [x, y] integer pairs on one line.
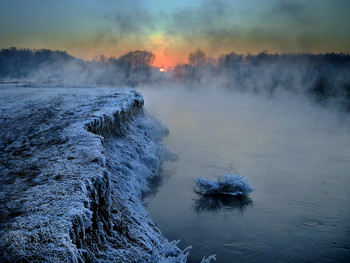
{"points": [[45, 64], [324, 77]]}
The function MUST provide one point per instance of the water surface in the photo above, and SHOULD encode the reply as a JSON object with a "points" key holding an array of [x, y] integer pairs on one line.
{"points": [[295, 155]]}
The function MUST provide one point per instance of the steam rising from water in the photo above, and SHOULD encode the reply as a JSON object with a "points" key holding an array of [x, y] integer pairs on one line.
{"points": [[323, 78], [263, 103], [295, 155]]}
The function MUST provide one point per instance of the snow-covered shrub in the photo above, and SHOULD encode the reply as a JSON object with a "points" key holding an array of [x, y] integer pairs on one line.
{"points": [[228, 184]]}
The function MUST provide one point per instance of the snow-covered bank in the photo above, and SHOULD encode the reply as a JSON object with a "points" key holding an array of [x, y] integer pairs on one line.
{"points": [[73, 165]]}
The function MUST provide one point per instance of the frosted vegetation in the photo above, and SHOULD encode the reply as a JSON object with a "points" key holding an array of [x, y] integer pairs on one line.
{"points": [[75, 160], [228, 184], [73, 166]]}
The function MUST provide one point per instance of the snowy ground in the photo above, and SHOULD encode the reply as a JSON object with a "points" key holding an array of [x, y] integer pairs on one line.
{"points": [[73, 165]]}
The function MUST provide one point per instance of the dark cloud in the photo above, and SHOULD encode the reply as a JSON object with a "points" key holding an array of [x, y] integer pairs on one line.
{"points": [[291, 13], [211, 16], [131, 22], [134, 21], [217, 24], [289, 7], [221, 26]]}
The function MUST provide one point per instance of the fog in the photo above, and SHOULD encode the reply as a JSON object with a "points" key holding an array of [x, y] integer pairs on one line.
{"points": [[295, 155], [280, 120], [322, 78]]}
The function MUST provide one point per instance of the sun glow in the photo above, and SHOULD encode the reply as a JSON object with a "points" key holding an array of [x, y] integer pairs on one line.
{"points": [[160, 48]]}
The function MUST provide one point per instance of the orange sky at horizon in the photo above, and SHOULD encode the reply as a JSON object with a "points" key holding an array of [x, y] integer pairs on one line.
{"points": [[165, 55], [172, 29], [167, 61]]}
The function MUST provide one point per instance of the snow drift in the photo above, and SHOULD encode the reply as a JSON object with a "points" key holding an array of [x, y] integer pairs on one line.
{"points": [[74, 163]]}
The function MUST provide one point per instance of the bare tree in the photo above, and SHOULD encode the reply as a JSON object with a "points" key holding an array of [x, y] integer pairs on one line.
{"points": [[137, 64], [197, 58], [138, 59]]}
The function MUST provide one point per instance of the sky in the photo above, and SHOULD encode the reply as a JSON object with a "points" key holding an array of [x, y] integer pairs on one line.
{"points": [[171, 29]]}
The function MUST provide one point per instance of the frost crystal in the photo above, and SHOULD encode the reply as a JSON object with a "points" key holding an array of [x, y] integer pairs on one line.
{"points": [[228, 184], [74, 163]]}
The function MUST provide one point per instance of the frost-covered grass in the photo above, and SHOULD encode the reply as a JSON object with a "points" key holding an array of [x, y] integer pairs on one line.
{"points": [[228, 184], [73, 165]]}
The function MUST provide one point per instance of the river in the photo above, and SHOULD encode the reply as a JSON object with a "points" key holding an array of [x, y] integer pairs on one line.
{"points": [[294, 154]]}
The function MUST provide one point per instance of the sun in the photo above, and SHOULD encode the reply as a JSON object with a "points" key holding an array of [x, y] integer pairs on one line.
{"points": [[162, 68]]}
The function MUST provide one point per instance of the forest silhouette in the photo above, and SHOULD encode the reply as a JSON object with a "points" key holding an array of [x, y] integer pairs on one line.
{"points": [[324, 78]]}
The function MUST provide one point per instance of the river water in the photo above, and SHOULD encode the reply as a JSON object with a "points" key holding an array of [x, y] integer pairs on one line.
{"points": [[295, 155]]}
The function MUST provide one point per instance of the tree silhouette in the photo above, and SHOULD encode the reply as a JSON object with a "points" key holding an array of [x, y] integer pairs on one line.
{"points": [[197, 58], [138, 59], [136, 64]]}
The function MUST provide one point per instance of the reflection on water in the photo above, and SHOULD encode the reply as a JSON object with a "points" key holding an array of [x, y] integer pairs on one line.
{"points": [[210, 203], [156, 182], [296, 157]]}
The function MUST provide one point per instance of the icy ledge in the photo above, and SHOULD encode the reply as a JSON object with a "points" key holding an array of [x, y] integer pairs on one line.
{"points": [[73, 165]]}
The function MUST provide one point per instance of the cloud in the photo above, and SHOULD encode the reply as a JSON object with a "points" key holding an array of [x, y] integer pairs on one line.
{"points": [[219, 26], [209, 17], [289, 8], [223, 26], [129, 25], [292, 16], [132, 21], [275, 25]]}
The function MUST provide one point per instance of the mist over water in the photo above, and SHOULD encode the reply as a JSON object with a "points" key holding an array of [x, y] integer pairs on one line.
{"points": [[294, 154], [280, 120]]}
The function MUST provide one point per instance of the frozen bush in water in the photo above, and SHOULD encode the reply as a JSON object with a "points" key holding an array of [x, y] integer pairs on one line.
{"points": [[228, 184], [208, 259]]}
